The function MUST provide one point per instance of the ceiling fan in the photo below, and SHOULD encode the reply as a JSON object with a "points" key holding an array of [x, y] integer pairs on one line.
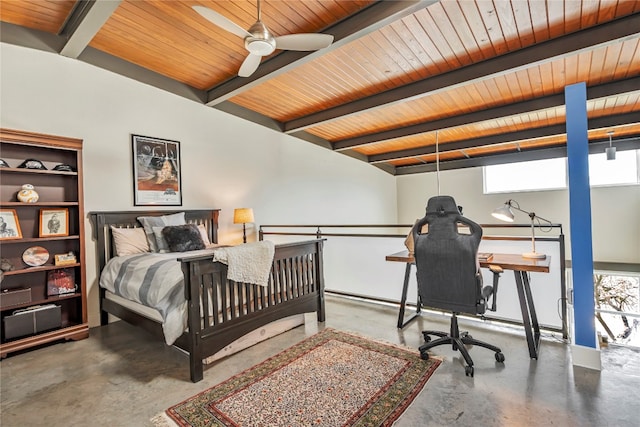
{"points": [[259, 41]]}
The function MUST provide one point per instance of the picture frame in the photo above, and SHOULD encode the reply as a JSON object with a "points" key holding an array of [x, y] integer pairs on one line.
{"points": [[9, 225], [54, 222], [61, 282], [157, 172], [65, 259]]}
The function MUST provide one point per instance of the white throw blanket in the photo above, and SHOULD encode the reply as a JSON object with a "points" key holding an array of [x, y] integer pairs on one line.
{"points": [[249, 262]]}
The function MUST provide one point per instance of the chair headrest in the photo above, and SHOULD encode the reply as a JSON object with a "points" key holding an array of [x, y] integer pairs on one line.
{"points": [[442, 205]]}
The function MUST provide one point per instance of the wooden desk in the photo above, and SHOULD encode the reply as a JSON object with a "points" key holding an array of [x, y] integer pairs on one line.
{"points": [[520, 266]]}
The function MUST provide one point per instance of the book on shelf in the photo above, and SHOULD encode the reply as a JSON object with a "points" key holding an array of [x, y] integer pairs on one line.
{"points": [[484, 256]]}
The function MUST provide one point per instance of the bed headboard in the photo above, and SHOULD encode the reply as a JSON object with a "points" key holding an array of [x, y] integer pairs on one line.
{"points": [[102, 222]]}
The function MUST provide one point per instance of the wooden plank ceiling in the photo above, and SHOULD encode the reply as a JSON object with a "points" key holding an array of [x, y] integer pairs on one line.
{"points": [[403, 84]]}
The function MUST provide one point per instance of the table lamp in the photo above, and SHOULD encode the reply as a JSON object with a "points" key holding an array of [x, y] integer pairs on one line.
{"points": [[243, 216], [505, 213]]}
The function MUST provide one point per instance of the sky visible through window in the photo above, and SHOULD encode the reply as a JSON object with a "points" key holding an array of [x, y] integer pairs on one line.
{"points": [[535, 175], [551, 174], [622, 170]]}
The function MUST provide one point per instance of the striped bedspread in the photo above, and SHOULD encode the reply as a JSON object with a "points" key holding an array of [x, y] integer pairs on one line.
{"points": [[154, 280]]}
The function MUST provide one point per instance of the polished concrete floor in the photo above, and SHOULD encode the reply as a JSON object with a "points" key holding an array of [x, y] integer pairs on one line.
{"points": [[121, 376]]}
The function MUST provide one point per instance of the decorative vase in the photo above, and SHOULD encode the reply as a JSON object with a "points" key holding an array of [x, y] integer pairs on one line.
{"points": [[28, 194]]}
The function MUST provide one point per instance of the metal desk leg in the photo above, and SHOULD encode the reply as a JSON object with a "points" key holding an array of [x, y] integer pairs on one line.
{"points": [[403, 300], [532, 311], [529, 317]]}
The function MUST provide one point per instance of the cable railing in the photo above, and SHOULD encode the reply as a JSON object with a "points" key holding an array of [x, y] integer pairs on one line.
{"points": [[498, 238], [319, 233], [400, 231]]}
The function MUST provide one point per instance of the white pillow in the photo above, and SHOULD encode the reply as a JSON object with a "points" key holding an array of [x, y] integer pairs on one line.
{"points": [[203, 233], [148, 222], [129, 241]]}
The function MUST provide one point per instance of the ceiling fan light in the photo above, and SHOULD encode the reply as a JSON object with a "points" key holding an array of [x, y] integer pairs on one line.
{"points": [[260, 47], [261, 42]]}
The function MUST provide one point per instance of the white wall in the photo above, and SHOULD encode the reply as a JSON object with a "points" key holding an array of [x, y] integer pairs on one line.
{"points": [[615, 217], [227, 162]]}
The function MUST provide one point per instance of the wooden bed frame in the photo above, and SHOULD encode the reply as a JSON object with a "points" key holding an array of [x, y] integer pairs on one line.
{"points": [[296, 285]]}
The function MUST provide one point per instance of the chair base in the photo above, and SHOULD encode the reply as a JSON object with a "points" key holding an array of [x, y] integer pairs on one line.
{"points": [[458, 342]]}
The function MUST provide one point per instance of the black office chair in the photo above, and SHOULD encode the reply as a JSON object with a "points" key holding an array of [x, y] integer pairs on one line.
{"points": [[449, 275]]}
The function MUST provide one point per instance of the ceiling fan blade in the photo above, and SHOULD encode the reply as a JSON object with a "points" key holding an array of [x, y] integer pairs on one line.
{"points": [[249, 65], [221, 21], [305, 41]]}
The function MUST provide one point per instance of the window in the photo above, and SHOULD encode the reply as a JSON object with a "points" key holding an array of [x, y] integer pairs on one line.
{"points": [[622, 170], [617, 306], [551, 174]]}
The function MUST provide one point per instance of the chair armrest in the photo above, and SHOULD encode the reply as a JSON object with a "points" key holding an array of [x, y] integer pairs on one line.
{"points": [[496, 270]]}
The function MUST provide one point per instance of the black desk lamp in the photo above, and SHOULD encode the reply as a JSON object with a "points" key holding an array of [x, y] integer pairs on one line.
{"points": [[243, 216]]}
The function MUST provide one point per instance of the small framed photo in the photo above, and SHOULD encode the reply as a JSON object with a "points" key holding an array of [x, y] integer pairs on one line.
{"points": [[61, 282], [9, 225], [54, 222], [156, 171]]}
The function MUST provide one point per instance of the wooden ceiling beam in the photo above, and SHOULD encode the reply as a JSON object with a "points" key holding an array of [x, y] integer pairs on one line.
{"points": [[47, 42], [547, 131], [551, 50], [524, 156], [306, 136], [537, 104], [368, 20], [143, 75], [252, 116], [84, 22], [29, 38]]}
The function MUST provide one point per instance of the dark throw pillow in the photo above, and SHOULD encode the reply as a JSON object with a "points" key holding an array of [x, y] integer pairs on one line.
{"points": [[182, 238]]}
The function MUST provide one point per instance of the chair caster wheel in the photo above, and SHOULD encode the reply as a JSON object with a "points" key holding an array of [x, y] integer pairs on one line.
{"points": [[499, 357], [468, 371], [426, 336], [424, 355]]}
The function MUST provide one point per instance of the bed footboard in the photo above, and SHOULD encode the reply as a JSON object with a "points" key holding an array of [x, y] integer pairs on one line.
{"points": [[221, 310]]}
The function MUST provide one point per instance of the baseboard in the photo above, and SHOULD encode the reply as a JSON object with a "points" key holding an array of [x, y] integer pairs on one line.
{"points": [[587, 357]]}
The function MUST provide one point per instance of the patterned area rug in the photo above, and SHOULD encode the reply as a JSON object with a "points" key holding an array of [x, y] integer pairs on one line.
{"points": [[329, 379]]}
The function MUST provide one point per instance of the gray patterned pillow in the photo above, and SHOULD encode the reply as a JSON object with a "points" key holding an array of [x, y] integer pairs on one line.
{"points": [[148, 222], [163, 247]]}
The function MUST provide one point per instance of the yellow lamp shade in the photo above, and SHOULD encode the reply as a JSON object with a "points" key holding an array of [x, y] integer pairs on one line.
{"points": [[243, 215]]}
